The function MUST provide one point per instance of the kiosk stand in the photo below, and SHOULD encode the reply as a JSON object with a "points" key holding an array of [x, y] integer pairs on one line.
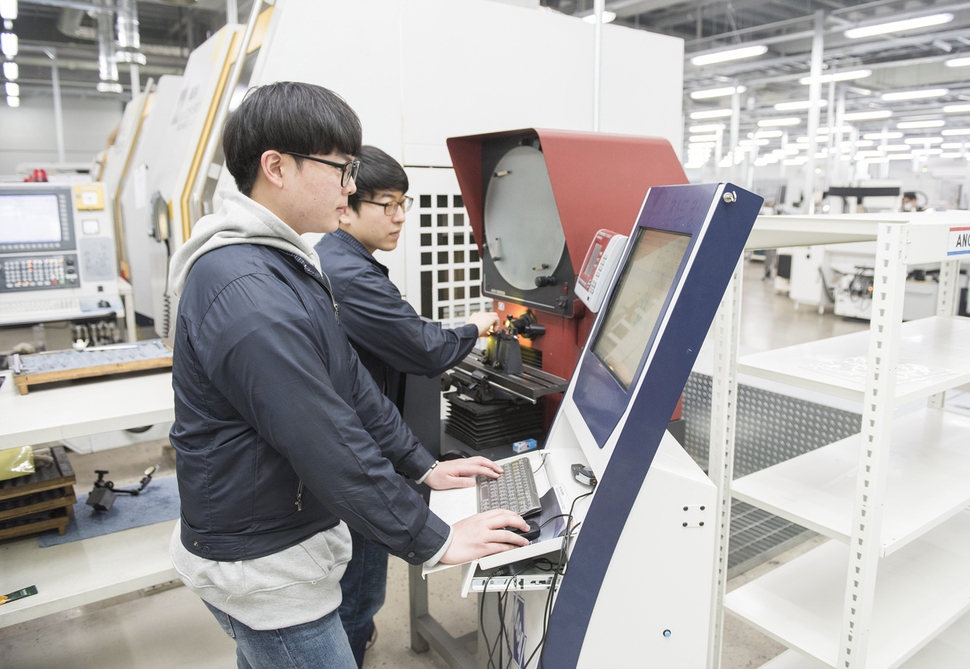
{"points": [[635, 553]]}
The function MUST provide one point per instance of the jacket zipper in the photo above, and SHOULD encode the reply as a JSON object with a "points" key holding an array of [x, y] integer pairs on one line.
{"points": [[299, 497], [323, 282]]}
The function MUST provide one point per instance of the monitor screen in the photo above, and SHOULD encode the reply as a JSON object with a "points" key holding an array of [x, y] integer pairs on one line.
{"points": [[637, 300], [29, 219]]}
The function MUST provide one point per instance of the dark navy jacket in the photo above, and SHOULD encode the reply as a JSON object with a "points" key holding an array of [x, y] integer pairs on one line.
{"points": [[277, 424], [389, 336]]}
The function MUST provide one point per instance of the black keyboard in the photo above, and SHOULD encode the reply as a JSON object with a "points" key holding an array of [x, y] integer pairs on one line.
{"points": [[514, 490]]}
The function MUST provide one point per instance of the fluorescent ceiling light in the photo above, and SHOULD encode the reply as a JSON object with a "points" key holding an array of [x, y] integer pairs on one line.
{"points": [[915, 95], [927, 152], [799, 104], [895, 147], [914, 125], [8, 10], [882, 135], [957, 154], [109, 87], [711, 113], [923, 140], [12, 89], [869, 154], [949, 146], [608, 17], [956, 109], [864, 142], [867, 115], [702, 138], [9, 44], [796, 161], [958, 62], [13, 102], [956, 132], [717, 92], [11, 70], [710, 127], [732, 54], [848, 75], [777, 122], [901, 156], [768, 134], [700, 145], [899, 26]]}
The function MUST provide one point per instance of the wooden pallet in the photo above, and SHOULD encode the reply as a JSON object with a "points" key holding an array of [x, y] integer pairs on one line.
{"points": [[39, 502], [72, 365]]}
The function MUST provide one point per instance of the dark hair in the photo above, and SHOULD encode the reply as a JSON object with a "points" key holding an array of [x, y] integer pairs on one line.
{"points": [[287, 116], [909, 195], [378, 171]]}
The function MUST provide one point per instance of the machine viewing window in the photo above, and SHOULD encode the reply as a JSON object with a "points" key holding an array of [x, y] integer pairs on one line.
{"points": [[37, 219], [637, 301]]}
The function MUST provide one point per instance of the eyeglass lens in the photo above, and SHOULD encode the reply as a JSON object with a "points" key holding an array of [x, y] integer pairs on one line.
{"points": [[405, 204], [349, 172]]}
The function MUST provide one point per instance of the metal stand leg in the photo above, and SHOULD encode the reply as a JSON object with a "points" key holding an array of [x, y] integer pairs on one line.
{"points": [[427, 633]]}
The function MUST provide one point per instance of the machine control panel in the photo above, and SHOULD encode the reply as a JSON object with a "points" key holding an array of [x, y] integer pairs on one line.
{"points": [[57, 254], [38, 273], [600, 265]]}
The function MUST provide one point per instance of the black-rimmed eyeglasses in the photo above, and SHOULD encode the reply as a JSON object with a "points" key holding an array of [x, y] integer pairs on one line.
{"points": [[348, 170], [391, 207]]}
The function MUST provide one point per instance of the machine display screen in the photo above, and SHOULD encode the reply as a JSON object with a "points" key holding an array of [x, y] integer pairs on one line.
{"points": [[29, 219], [637, 301]]}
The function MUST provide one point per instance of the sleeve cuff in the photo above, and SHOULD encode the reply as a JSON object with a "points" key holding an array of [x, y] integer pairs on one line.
{"points": [[427, 473], [434, 559]]}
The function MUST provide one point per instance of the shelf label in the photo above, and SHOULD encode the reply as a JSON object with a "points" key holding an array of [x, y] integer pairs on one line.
{"points": [[959, 242]]}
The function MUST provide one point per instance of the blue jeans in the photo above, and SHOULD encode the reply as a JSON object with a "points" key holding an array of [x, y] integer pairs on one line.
{"points": [[314, 645], [363, 586]]}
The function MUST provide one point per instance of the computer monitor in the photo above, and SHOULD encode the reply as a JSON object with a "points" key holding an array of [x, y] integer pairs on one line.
{"points": [[35, 221], [638, 299]]}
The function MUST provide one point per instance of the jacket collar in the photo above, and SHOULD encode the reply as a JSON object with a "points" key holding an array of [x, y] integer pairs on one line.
{"points": [[352, 242]]}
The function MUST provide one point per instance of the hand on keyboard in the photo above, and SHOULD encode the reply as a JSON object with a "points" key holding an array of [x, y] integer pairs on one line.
{"points": [[461, 473], [484, 534]]}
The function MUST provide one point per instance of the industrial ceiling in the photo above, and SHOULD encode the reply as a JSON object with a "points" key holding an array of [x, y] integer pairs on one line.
{"points": [[896, 62]]}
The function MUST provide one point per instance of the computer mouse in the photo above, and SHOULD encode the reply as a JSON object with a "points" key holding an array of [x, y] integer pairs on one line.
{"points": [[531, 534]]}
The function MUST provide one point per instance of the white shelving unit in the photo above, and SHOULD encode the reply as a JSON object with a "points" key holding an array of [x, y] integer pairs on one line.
{"points": [[893, 587]]}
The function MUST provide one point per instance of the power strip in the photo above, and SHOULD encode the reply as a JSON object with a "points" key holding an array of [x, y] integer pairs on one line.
{"points": [[499, 584]]}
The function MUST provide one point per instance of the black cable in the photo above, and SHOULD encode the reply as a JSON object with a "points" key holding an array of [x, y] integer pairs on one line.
{"points": [[481, 624], [563, 560], [166, 298]]}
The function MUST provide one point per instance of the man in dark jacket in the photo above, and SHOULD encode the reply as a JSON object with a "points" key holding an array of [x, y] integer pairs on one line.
{"points": [[390, 338], [282, 437]]}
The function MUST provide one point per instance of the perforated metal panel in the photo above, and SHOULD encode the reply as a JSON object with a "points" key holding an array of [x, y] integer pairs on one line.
{"points": [[770, 428], [448, 274]]}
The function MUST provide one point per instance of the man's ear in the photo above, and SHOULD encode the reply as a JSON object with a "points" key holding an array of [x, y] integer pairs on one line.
{"points": [[347, 217], [271, 165]]}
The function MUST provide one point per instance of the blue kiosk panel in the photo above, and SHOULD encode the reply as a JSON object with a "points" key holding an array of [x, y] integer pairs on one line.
{"points": [[679, 259]]}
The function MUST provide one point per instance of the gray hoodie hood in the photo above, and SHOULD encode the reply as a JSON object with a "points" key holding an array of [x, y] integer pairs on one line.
{"points": [[240, 220]]}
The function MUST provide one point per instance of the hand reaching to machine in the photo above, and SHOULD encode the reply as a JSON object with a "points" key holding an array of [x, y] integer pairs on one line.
{"points": [[485, 321], [461, 473], [484, 534]]}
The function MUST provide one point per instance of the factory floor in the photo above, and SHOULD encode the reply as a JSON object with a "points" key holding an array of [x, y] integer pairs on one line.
{"points": [[170, 627]]}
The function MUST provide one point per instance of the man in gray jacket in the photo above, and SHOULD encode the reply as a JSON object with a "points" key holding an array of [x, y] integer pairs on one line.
{"points": [[282, 437]]}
